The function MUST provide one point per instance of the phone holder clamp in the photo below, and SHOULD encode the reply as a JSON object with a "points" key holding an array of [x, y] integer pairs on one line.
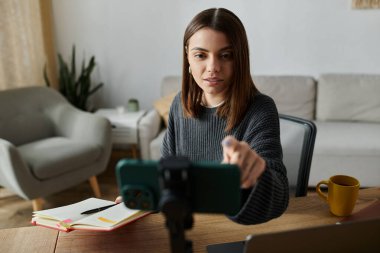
{"points": [[175, 201]]}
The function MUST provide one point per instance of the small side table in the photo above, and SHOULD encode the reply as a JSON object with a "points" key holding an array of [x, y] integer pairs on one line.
{"points": [[124, 127]]}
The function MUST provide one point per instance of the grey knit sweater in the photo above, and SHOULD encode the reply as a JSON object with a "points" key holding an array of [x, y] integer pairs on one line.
{"points": [[200, 139]]}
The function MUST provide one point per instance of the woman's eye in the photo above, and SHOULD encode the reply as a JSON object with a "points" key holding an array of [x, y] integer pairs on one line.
{"points": [[226, 56], [199, 56]]}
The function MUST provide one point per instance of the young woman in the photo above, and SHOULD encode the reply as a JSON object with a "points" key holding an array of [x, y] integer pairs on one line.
{"points": [[220, 115]]}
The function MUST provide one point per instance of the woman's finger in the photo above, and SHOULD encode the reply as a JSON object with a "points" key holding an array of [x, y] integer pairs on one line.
{"points": [[229, 144], [119, 199]]}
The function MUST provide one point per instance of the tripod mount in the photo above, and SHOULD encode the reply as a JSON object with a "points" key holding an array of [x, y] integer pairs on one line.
{"points": [[175, 201]]}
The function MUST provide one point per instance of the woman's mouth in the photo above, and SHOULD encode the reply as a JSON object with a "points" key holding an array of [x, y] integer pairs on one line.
{"points": [[213, 80]]}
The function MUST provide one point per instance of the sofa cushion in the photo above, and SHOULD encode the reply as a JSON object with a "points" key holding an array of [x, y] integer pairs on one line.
{"points": [[351, 97], [44, 156], [293, 95], [347, 138], [349, 148]]}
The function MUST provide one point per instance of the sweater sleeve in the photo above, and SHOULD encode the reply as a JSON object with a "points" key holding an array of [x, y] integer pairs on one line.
{"points": [[269, 197]]}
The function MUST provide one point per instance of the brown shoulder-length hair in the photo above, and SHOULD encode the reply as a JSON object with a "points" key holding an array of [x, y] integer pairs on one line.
{"points": [[242, 89]]}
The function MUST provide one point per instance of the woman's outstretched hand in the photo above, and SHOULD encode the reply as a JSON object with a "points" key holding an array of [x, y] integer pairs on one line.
{"points": [[250, 163]]}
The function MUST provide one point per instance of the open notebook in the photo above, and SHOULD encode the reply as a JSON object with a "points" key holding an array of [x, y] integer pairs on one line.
{"points": [[358, 236], [68, 218]]}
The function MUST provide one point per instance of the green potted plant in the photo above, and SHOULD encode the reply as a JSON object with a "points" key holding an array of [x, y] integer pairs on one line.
{"points": [[76, 88]]}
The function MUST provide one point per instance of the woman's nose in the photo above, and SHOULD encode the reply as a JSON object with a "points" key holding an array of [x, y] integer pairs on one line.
{"points": [[213, 64]]}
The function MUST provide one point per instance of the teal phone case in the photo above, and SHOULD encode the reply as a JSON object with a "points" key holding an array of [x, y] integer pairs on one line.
{"points": [[214, 187]]}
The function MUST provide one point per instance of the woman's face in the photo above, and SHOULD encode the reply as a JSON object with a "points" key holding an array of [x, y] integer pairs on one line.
{"points": [[211, 61]]}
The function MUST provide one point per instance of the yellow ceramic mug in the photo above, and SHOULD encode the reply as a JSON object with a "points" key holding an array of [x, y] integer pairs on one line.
{"points": [[342, 194]]}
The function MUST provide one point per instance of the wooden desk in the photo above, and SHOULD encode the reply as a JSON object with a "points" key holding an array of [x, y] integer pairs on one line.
{"points": [[149, 234]]}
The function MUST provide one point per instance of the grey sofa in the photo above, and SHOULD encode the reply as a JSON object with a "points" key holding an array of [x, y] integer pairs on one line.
{"points": [[344, 107], [47, 145]]}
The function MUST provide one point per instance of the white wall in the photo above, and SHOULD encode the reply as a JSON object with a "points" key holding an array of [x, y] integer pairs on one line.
{"points": [[138, 42]]}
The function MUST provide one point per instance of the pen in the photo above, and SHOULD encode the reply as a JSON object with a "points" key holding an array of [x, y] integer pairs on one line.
{"points": [[95, 210]]}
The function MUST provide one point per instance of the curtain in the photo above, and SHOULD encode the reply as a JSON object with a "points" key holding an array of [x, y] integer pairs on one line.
{"points": [[26, 43]]}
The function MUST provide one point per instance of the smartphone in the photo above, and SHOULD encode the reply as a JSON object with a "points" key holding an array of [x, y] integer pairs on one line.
{"points": [[213, 187]]}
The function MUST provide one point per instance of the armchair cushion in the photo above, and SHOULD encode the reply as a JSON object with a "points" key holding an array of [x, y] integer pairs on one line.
{"points": [[45, 156], [162, 106], [25, 127]]}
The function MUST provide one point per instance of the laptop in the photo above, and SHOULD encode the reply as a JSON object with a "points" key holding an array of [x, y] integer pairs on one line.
{"points": [[358, 236]]}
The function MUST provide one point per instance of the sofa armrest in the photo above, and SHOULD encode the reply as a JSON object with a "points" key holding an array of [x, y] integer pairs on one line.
{"points": [[149, 127]]}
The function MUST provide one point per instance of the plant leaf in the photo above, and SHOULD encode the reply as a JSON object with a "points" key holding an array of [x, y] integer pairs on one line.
{"points": [[73, 65], [77, 90], [46, 78], [97, 87], [62, 85]]}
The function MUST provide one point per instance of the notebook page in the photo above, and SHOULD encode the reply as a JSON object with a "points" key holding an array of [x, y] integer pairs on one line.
{"points": [[109, 217], [73, 211]]}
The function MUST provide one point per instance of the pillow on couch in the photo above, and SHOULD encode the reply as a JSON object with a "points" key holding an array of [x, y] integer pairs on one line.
{"points": [[163, 106], [350, 97], [293, 95]]}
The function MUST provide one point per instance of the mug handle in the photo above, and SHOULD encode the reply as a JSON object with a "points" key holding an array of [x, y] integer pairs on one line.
{"points": [[318, 188]]}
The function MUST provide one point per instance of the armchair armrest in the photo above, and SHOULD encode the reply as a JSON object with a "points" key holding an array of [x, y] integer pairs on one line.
{"points": [[10, 178], [148, 129], [84, 126], [76, 124]]}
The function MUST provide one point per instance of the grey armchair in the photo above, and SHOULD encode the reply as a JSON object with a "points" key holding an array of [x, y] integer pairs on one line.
{"points": [[47, 145]]}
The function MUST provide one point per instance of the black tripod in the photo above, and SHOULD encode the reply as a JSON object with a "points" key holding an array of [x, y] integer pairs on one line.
{"points": [[175, 201]]}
